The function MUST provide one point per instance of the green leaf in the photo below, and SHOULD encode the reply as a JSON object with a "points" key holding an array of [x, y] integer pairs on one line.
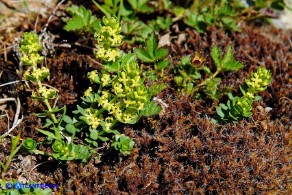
{"points": [[102, 8], [195, 75], [94, 134], [216, 56], [156, 89], [219, 112], [150, 75], [144, 56], [123, 10], [150, 108], [228, 55], [186, 60], [127, 59], [48, 123], [162, 64], [136, 30], [70, 128], [223, 106], [29, 144], [231, 97], [111, 66], [81, 110], [123, 143], [189, 88], [47, 133], [151, 44], [67, 119], [104, 139], [141, 6], [82, 19], [232, 66], [278, 5], [161, 53], [257, 98]]}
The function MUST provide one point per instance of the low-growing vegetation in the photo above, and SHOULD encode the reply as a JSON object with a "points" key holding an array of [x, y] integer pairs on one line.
{"points": [[140, 96]]}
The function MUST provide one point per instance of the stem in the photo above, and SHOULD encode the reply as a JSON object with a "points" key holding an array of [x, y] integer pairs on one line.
{"points": [[12, 154], [46, 102], [205, 81], [14, 150]]}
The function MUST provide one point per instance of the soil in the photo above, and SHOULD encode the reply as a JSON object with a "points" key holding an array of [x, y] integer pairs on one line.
{"points": [[179, 152]]}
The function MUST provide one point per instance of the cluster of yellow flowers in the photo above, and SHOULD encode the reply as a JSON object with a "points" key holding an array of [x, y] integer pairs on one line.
{"points": [[108, 54], [93, 118], [30, 48], [46, 93], [38, 75], [259, 80], [122, 95], [108, 39]]}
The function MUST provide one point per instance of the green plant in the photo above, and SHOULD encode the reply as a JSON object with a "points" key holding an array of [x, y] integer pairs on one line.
{"points": [[190, 71], [153, 54], [135, 30], [240, 107], [123, 143], [128, 11], [82, 19], [30, 48], [116, 8], [221, 13], [108, 39], [119, 95], [30, 144], [65, 151], [160, 23], [225, 13], [13, 151]]}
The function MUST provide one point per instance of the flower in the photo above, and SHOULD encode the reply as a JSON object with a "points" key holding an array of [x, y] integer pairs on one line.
{"points": [[135, 81], [29, 47], [140, 105], [47, 93], [128, 102], [242, 106], [259, 80], [92, 118], [108, 54], [116, 111], [127, 118], [105, 78], [117, 88], [32, 59], [93, 76], [88, 91], [123, 78]]}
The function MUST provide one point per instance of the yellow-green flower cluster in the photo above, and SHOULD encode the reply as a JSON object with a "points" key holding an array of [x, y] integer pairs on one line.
{"points": [[93, 118], [108, 38], [45, 93], [108, 54], [259, 81], [30, 47], [242, 106], [38, 75], [122, 95]]}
